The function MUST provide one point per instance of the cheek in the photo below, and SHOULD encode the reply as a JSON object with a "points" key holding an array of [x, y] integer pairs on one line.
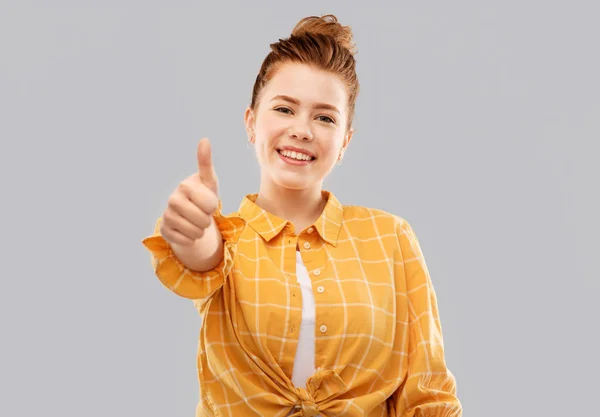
{"points": [[331, 147], [270, 125], [266, 139]]}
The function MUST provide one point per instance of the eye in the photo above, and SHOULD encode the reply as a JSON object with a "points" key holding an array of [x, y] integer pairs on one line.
{"points": [[284, 110], [327, 119]]}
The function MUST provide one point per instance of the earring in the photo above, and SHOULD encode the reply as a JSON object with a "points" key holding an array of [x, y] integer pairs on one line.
{"points": [[249, 144]]}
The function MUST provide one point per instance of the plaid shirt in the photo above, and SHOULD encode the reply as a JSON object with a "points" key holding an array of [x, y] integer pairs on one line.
{"points": [[378, 343]]}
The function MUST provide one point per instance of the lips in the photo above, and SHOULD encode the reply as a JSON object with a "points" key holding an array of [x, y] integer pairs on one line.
{"points": [[297, 150], [294, 159], [295, 162]]}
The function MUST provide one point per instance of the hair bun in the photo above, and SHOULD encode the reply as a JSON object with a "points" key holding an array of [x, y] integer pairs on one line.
{"points": [[326, 25]]}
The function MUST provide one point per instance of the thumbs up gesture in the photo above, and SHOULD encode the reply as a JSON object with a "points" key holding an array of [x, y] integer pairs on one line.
{"points": [[191, 206]]}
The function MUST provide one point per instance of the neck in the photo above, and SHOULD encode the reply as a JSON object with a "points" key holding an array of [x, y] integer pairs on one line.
{"points": [[300, 207]]}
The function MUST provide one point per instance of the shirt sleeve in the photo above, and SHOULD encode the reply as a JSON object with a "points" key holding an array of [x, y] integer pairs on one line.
{"points": [[187, 283], [429, 387]]}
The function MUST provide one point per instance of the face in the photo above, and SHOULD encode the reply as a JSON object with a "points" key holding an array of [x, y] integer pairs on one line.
{"points": [[299, 126]]}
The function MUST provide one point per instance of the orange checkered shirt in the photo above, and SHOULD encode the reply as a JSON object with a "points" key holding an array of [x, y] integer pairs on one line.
{"points": [[378, 343]]}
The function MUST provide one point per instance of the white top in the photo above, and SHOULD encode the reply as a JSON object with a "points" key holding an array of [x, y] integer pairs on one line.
{"points": [[304, 362]]}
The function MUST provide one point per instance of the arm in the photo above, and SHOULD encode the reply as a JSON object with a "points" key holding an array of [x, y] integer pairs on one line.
{"points": [[188, 273], [429, 388], [205, 254]]}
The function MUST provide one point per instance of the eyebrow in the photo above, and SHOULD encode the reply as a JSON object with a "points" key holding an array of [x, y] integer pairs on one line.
{"points": [[297, 102]]}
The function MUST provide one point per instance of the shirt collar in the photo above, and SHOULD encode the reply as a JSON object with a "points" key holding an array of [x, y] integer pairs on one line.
{"points": [[268, 225]]}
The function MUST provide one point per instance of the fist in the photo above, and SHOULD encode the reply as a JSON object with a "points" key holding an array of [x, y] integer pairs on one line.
{"points": [[191, 206]]}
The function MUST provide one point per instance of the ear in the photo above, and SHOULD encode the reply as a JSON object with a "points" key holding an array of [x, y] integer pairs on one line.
{"points": [[347, 139], [249, 121]]}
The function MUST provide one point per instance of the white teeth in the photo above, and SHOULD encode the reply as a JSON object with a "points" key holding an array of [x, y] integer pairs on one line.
{"points": [[295, 155]]}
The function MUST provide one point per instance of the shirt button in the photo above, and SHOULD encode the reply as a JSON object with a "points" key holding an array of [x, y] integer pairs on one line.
{"points": [[323, 328], [293, 328], [317, 272], [320, 289], [310, 229], [306, 245]]}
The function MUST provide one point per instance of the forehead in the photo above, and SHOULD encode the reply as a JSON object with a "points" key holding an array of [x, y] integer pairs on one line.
{"points": [[307, 84]]}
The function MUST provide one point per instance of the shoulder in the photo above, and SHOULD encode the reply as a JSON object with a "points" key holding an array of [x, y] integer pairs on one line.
{"points": [[358, 217], [373, 224]]}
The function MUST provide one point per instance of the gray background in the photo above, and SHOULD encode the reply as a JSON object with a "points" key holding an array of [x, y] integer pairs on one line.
{"points": [[478, 122]]}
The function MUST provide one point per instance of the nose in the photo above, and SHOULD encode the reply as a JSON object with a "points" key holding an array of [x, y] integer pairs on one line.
{"points": [[301, 132]]}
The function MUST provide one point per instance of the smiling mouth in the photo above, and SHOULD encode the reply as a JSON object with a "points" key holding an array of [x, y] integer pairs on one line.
{"points": [[295, 155]]}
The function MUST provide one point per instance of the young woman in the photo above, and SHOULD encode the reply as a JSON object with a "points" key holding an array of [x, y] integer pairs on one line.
{"points": [[310, 307]]}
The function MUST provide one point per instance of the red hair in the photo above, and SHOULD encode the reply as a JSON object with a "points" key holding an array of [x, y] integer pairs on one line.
{"points": [[318, 41]]}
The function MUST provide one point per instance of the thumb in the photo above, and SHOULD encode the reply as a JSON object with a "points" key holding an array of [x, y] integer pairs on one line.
{"points": [[206, 169]]}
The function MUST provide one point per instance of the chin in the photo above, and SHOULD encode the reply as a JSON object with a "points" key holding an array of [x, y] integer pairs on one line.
{"points": [[293, 185], [292, 182]]}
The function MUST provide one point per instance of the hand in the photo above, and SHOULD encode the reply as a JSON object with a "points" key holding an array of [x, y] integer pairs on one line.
{"points": [[191, 206]]}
